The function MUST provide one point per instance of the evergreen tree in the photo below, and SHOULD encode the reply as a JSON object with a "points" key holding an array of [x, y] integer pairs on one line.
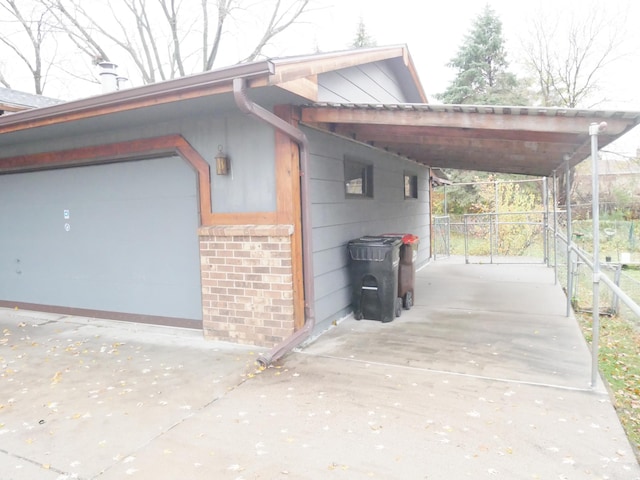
{"points": [[362, 39], [482, 68]]}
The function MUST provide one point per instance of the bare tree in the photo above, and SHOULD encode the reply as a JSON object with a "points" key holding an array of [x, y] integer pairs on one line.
{"points": [[568, 54], [283, 15], [169, 38], [3, 80], [26, 36]]}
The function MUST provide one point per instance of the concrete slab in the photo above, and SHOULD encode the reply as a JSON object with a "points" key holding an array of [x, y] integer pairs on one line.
{"points": [[484, 378], [79, 395], [498, 321]]}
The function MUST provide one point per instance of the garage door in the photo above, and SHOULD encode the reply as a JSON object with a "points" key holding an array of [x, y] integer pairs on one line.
{"points": [[120, 237]]}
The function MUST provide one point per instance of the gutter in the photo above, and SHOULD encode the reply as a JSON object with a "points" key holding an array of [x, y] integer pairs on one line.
{"points": [[156, 93], [295, 134]]}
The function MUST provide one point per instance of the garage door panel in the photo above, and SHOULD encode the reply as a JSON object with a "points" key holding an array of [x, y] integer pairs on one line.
{"points": [[119, 237]]}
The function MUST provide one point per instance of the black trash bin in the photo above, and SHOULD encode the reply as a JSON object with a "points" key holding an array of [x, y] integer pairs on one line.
{"points": [[407, 267], [373, 266]]}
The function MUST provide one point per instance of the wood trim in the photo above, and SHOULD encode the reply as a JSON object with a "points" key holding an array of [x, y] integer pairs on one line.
{"points": [[107, 315], [191, 155], [483, 121], [408, 62], [120, 152], [289, 205], [117, 107], [303, 67], [305, 87], [249, 218]]}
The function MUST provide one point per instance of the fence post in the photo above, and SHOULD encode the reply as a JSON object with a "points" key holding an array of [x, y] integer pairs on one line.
{"points": [[615, 301], [466, 241]]}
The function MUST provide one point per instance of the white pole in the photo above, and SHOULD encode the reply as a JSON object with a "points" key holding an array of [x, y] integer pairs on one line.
{"points": [[545, 193], [555, 228], [594, 129], [567, 173]]}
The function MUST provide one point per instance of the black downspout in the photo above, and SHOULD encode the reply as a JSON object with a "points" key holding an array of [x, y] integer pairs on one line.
{"points": [[295, 134]]}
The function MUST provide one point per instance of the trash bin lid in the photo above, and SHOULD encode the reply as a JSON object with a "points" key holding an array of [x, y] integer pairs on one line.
{"points": [[375, 241], [407, 238]]}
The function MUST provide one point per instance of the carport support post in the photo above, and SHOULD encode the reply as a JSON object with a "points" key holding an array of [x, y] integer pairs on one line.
{"points": [[594, 128], [567, 176], [555, 228], [545, 221]]}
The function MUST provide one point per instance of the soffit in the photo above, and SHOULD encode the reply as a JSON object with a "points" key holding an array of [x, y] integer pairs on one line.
{"points": [[517, 140]]}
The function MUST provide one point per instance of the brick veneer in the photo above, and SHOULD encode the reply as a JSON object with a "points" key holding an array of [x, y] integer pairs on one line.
{"points": [[247, 283]]}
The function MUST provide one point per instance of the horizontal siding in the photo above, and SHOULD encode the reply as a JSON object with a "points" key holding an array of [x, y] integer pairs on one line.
{"points": [[249, 144], [337, 219]]}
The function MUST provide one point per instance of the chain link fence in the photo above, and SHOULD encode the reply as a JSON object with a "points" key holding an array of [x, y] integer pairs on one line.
{"points": [[619, 261]]}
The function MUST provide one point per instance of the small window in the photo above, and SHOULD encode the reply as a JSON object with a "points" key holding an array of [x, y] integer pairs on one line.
{"points": [[358, 179], [410, 186]]}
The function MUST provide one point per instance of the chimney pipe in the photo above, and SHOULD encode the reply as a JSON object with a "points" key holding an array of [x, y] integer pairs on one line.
{"points": [[108, 76]]}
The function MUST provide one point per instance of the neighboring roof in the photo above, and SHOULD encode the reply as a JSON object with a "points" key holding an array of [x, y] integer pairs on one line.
{"points": [[523, 140], [15, 101]]}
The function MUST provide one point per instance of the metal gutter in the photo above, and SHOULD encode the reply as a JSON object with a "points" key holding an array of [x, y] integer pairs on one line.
{"points": [[155, 92], [295, 134]]}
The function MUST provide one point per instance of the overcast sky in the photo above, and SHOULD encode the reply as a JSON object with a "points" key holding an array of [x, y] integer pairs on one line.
{"points": [[434, 30]]}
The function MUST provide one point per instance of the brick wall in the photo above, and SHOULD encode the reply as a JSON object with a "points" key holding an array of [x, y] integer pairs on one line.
{"points": [[247, 283]]}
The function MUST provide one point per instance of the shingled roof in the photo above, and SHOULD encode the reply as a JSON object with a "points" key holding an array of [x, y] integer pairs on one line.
{"points": [[14, 101]]}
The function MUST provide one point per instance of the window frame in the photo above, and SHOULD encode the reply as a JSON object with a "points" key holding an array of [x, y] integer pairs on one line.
{"points": [[366, 177], [410, 181]]}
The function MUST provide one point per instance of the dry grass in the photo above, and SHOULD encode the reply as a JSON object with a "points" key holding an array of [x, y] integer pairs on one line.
{"points": [[619, 360]]}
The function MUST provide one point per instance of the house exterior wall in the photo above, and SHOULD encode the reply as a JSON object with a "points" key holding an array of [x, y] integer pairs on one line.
{"points": [[247, 283], [368, 83], [251, 188], [94, 274], [338, 219], [248, 143]]}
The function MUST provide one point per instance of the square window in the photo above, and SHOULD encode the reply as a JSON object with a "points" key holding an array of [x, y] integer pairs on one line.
{"points": [[358, 179], [410, 186]]}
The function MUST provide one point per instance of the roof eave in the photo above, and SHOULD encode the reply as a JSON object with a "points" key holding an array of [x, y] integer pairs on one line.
{"points": [[158, 93]]}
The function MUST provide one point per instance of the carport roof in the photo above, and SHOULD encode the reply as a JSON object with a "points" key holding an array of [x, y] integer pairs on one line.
{"points": [[522, 140]]}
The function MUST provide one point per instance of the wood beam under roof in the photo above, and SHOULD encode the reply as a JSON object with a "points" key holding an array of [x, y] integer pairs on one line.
{"points": [[530, 141]]}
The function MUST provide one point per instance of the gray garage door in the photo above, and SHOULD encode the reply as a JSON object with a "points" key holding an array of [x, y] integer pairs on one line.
{"points": [[120, 237]]}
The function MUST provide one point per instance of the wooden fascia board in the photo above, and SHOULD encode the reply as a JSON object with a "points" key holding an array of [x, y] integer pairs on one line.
{"points": [[12, 108], [306, 87], [112, 107], [286, 71], [464, 120], [414, 75]]}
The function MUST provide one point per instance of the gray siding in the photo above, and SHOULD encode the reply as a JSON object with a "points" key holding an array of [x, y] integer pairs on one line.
{"points": [[250, 144], [131, 245], [369, 83], [337, 219]]}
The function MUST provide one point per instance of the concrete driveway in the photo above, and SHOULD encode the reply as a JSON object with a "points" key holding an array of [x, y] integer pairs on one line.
{"points": [[484, 378]]}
